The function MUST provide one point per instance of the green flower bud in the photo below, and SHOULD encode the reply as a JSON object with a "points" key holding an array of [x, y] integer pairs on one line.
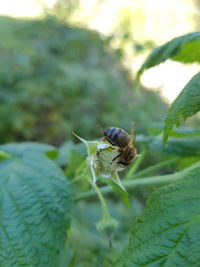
{"points": [[101, 155], [108, 226]]}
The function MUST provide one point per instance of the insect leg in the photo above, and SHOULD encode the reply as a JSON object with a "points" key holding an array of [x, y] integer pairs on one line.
{"points": [[119, 155]]}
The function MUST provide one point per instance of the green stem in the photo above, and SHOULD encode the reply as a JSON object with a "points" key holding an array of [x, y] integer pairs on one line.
{"points": [[159, 179], [155, 167], [105, 211], [136, 165]]}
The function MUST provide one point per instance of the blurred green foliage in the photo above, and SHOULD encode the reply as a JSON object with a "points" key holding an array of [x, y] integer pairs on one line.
{"points": [[92, 249], [55, 79]]}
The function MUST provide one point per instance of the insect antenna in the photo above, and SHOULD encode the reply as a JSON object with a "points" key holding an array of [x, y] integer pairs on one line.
{"points": [[100, 128]]}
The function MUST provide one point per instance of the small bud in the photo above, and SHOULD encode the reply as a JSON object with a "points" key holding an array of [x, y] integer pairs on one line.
{"points": [[107, 226]]}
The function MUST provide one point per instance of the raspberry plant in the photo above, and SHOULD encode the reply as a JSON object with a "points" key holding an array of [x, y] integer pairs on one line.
{"points": [[37, 198]]}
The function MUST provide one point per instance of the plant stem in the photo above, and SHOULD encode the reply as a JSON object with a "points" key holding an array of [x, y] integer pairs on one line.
{"points": [[105, 211], [155, 167], [159, 179], [136, 164]]}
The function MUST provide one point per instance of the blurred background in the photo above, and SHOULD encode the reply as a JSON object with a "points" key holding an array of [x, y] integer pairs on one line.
{"points": [[68, 65]]}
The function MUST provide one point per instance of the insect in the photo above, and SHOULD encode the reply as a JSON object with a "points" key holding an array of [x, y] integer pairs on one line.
{"points": [[118, 137]]}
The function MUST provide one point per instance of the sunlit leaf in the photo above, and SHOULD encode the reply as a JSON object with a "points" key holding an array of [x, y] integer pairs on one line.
{"points": [[185, 105], [184, 48], [4, 155]]}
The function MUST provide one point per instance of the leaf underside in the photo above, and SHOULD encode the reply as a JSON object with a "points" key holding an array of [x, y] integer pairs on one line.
{"points": [[167, 233], [184, 48], [35, 202], [185, 105]]}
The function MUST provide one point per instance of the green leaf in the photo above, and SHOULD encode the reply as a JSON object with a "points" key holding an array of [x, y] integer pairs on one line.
{"points": [[4, 155], [67, 152], [91, 145], [35, 204], [184, 48], [184, 132], [72, 157], [52, 154], [17, 149], [167, 232], [185, 146], [185, 105]]}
